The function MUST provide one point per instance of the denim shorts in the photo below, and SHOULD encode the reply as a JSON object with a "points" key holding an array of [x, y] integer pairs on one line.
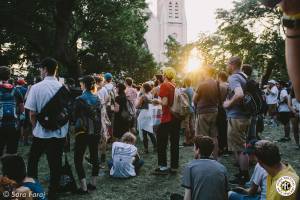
{"points": [[237, 196]]}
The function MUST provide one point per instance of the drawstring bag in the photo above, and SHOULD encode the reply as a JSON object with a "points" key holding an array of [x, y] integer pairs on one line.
{"points": [[67, 181]]}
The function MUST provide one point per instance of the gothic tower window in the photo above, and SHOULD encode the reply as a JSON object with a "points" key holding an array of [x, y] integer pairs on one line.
{"points": [[176, 13], [170, 10]]}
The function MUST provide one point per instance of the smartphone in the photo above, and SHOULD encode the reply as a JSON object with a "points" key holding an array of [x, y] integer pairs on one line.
{"points": [[270, 3]]}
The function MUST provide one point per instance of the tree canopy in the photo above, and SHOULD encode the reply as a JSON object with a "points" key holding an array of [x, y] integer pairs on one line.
{"points": [[253, 32], [83, 35]]}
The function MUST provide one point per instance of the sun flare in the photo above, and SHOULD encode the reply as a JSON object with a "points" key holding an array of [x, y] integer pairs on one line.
{"points": [[194, 62]]}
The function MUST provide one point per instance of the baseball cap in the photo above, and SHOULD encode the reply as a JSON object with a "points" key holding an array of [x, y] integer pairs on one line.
{"points": [[272, 82], [169, 73], [21, 82], [108, 76]]}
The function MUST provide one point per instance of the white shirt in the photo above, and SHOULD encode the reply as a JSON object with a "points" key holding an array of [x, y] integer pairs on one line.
{"points": [[123, 155], [259, 178], [296, 104], [283, 106], [109, 87], [103, 95], [39, 95], [272, 98]]}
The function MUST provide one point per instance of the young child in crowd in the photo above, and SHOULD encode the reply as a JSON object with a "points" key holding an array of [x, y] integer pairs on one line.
{"points": [[125, 161]]}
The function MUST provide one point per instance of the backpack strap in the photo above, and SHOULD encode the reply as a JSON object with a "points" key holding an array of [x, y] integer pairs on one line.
{"points": [[242, 75]]}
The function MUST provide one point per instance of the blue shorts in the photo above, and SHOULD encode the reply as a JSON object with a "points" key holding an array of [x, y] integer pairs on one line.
{"points": [[237, 196]]}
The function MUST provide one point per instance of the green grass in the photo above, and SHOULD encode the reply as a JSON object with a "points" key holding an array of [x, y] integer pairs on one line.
{"points": [[150, 187]]}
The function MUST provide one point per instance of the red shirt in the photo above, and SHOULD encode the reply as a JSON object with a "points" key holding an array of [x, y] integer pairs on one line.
{"points": [[167, 89]]}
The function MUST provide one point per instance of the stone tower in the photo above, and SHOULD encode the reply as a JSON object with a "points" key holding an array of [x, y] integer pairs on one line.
{"points": [[169, 21]]}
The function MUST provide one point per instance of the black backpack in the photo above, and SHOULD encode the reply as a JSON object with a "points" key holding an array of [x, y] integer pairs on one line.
{"points": [[129, 112], [253, 101], [56, 113], [87, 117]]}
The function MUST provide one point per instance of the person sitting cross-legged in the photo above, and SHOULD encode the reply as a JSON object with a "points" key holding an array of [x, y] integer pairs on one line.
{"points": [[257, 184]]}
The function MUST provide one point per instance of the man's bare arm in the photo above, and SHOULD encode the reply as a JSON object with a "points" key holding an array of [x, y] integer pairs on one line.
{"points": [[32, 116], [238, 96]]}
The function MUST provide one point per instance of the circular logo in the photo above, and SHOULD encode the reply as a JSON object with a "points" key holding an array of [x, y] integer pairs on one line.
{"points": [[5, 194], [286, 186]]}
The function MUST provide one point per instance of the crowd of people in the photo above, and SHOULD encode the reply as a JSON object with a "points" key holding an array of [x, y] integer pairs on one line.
{"points": [[212, 112]]}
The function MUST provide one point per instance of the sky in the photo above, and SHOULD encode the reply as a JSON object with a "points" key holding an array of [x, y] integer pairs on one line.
{"points": [[200, 15]]}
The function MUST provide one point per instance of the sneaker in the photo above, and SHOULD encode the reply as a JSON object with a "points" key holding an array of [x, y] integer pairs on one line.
{"points": [[158, 171], [102, 166], [91, 187]]}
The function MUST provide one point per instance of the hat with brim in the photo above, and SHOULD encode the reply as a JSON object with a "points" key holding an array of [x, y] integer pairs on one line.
{"points": [[272, 82]]}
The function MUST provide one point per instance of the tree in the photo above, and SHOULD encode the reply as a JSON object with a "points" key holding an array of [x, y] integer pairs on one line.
{"points": [[177, 55], [107, 33], [251, 31]]}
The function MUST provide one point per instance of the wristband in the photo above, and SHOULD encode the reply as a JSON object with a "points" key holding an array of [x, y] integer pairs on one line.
{"points": [[290, 23]]}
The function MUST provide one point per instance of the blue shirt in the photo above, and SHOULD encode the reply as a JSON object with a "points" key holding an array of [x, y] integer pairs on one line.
{"points": [[37, 190], [236, 112], [89, 97], [190, 92]]}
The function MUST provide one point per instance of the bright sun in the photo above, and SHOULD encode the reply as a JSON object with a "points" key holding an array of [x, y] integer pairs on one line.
{"points": [[194, 61]]}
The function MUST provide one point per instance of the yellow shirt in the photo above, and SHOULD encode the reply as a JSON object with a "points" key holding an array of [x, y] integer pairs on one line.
{"points": [[272, 193]]}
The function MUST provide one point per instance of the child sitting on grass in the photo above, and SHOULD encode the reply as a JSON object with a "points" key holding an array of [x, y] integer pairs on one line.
{"points": [[125, 161]]}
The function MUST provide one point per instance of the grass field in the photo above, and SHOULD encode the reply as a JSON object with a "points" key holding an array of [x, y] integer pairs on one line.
{"points": [[150, 187]]}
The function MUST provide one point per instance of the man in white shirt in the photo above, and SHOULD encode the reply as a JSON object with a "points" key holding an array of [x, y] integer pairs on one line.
{"points": [[272, 98], [46, 141], [284, 111]]}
